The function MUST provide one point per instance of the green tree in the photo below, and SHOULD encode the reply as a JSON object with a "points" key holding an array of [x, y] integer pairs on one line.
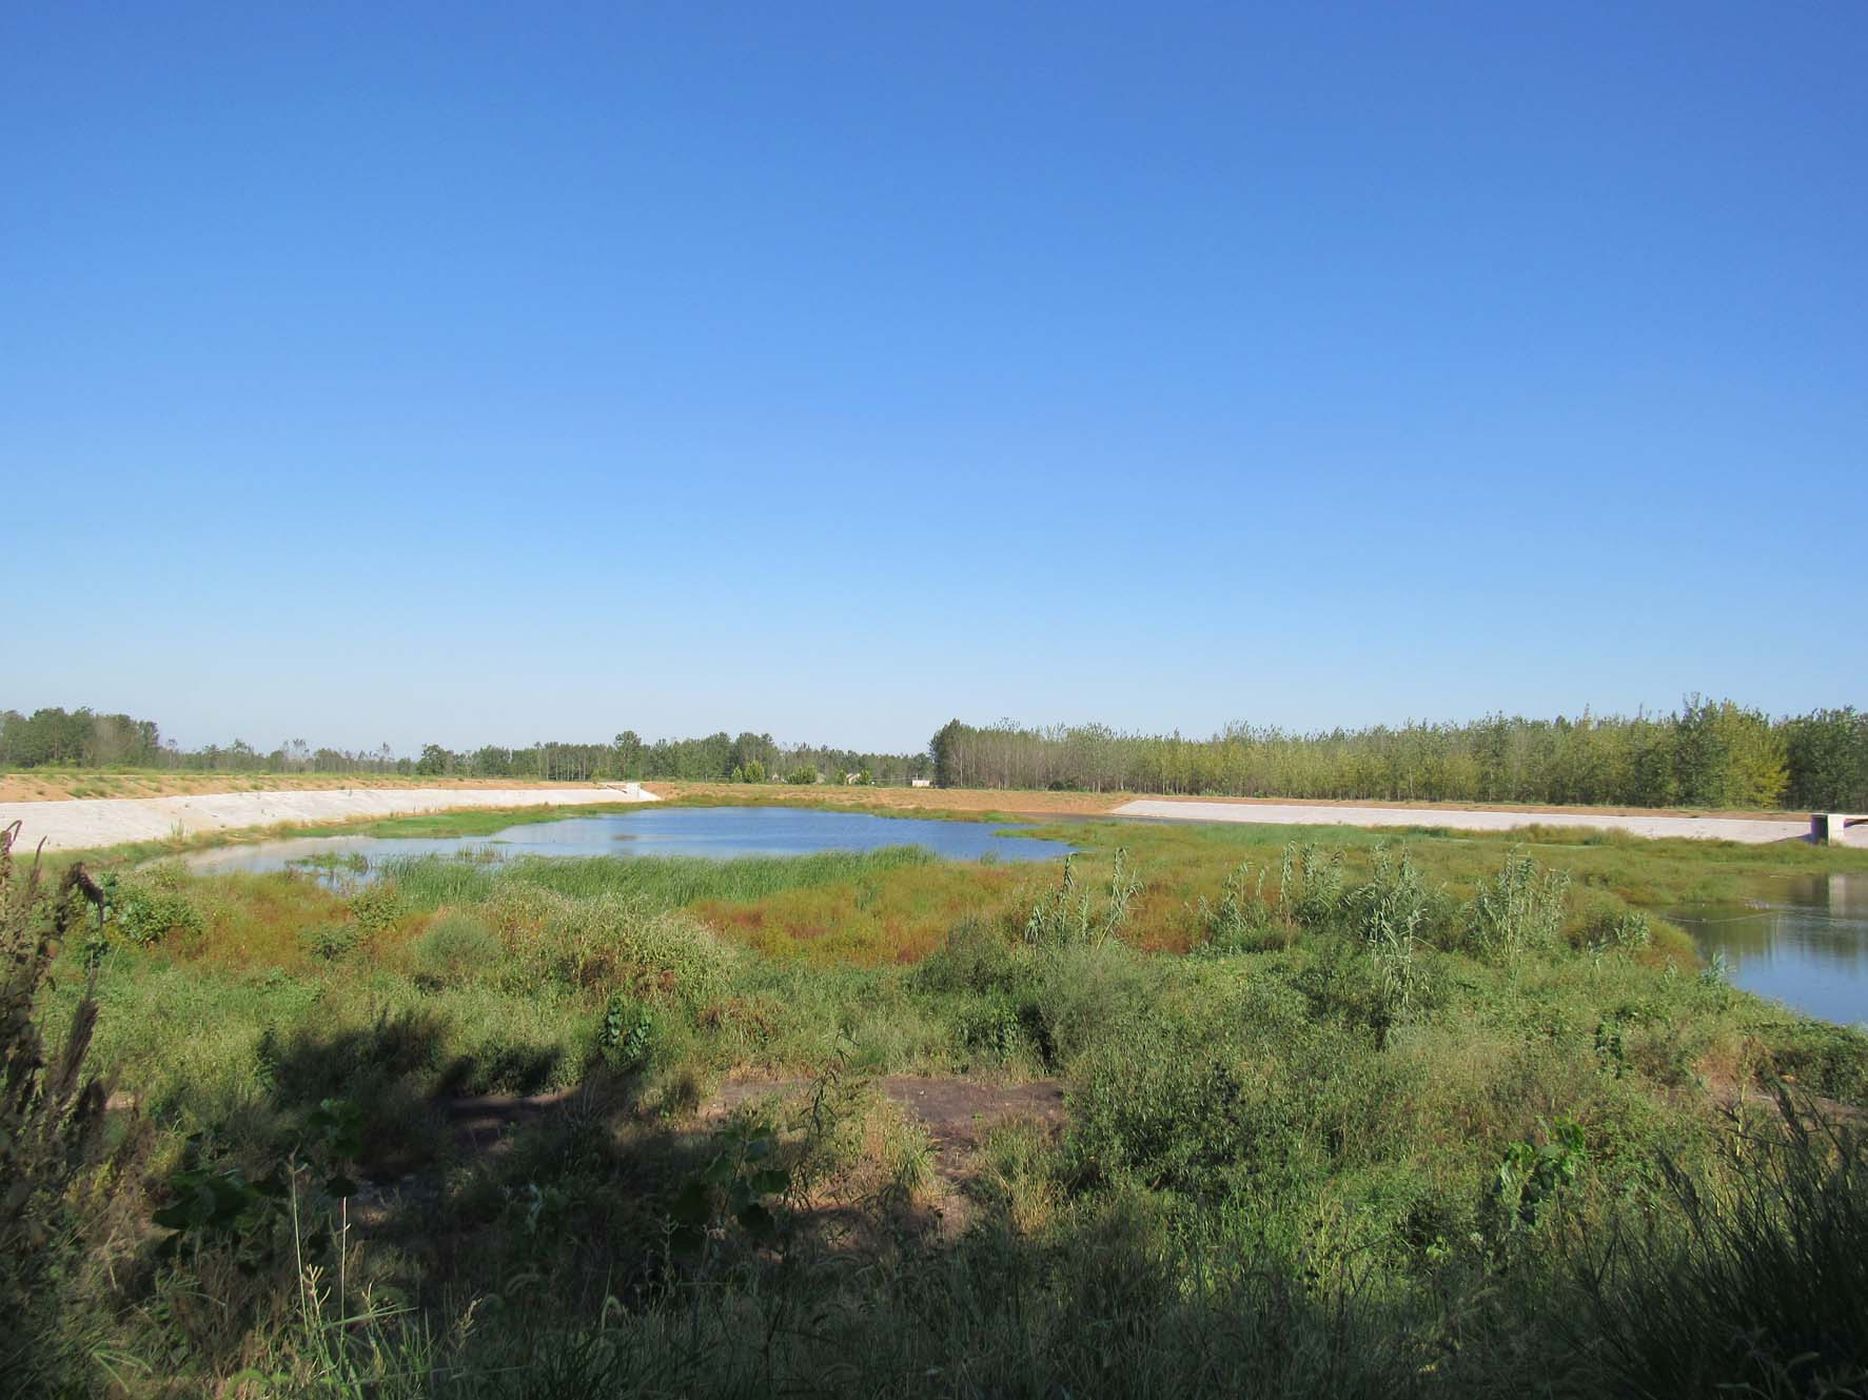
{"points": [[943, 748]]}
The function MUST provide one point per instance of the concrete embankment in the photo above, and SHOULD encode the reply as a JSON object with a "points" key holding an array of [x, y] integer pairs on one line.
{"points": [[1752, 830], [81, 823]]}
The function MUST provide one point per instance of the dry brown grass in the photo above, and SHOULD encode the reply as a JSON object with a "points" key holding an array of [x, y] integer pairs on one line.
{"points": [[932, 801]]}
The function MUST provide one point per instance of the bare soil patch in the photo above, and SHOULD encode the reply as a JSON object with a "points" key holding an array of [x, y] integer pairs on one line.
{"points": [[907, 801], [956, 1112]]}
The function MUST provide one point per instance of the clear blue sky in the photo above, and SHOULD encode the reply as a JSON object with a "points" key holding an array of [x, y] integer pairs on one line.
{"points": [[393, 372]]}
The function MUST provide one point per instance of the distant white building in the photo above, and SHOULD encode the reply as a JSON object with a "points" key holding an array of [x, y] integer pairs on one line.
{"points": [[920, 782]]}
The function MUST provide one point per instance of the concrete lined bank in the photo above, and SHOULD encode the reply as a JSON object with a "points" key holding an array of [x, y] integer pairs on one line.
{"points": [[1751, 830], [108, 821]]}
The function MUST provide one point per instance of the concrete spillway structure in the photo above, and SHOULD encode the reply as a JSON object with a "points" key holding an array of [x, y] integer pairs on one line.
{"points": [[1838, 829]]}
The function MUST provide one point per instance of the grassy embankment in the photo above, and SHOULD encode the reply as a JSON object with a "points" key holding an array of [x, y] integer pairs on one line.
{"points": [[1383, 1117]]}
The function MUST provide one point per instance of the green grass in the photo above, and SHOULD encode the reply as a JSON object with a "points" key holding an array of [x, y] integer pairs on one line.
{"points": [[1369, 1139]]}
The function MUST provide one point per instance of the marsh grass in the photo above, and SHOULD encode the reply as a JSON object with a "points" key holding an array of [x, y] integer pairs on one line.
{"points": [[1280, 1174], [1753, 1279]]}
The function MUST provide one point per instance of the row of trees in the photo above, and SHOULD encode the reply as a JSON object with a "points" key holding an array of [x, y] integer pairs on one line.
{"points": [[719, 757], [83, 739], [78, 738], [1708, 754]]}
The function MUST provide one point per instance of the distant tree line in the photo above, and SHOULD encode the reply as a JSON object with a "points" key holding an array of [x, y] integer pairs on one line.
{"points": [[720, 757], [1708, 754], [77, 738], [82, 738]]}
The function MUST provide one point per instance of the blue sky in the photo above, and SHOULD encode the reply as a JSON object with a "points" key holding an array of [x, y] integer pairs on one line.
{"points": [[477, 372]]}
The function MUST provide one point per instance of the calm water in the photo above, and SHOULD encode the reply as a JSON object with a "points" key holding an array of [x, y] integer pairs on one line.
{"points": [[716, 832], [1804, 941]]}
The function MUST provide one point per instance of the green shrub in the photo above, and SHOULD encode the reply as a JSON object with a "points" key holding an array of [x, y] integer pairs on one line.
{"points": [[625, 1035], [146, 914], [1518, 909], [1388, 912], [1003, 1029], [1618, 931], [1321, 883], [975, 958], [1242, 921], [455, 948], [1820, 1058], [329, 942], [1068, 915], [674, 957], [1533, 1176], [377, 906], [1175, 1116]]}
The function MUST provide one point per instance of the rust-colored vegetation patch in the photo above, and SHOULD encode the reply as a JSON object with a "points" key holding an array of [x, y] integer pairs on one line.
{"points": [[259, 920], [868, 923]]}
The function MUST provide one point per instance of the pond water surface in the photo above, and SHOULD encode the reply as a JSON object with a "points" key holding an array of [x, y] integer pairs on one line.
{"points": [[714, 832], [1803, 941]]}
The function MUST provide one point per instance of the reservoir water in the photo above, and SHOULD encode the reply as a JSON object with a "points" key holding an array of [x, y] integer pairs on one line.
{"points": [[1802, 940], [713, 832]]}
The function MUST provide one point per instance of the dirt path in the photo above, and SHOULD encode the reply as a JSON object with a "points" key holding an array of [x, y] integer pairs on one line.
{"points": [[89, 822], [956, 1112], [1752, 830]]}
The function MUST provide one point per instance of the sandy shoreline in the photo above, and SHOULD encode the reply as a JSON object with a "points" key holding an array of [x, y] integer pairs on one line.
{"points": [[82, 823]]}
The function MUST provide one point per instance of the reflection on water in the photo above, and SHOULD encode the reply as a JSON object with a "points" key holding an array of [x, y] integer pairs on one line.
{"points": [[1804, 941], [714, 832]]}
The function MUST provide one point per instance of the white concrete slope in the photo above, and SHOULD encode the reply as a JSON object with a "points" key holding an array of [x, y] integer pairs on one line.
{"points": [[1756, 831], [81, 823]]}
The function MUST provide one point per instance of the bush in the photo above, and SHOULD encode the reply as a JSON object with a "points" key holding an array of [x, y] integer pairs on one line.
{"points": [[614, 942], [454, 949], [1518, 909], [377, 906], [1618, 931], [1321, 884], [146, 914], [625, 1035], [673, 957], [1388, 912], [329, 942], [1067, 915], [1821, 1059], [974, 958], [1242, 921]]}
